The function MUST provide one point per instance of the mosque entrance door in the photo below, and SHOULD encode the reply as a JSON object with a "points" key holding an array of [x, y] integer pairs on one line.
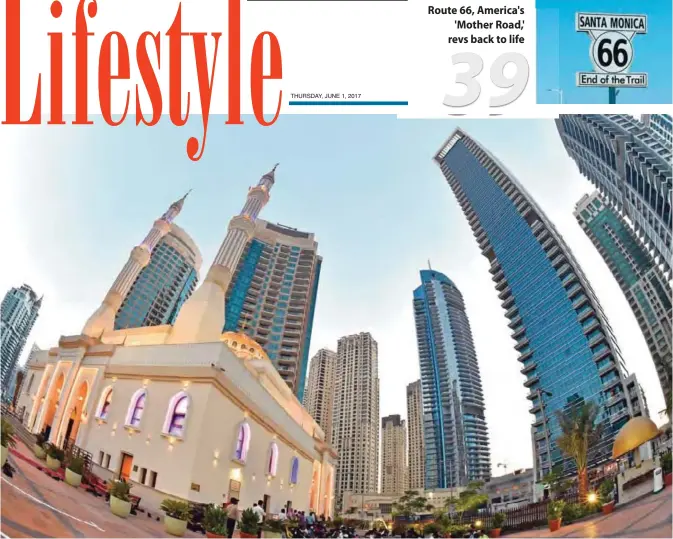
{"points": [[267, 503], [126, 466]]}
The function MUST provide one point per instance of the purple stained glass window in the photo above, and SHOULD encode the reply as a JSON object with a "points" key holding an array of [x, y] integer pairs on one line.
{"points": [[294, 472], [106, 405], [243, 442], [179, 415], [138, 410]]}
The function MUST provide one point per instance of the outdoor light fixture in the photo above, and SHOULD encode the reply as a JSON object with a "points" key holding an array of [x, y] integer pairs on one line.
{"points": [[592, 498], [477, 523]]}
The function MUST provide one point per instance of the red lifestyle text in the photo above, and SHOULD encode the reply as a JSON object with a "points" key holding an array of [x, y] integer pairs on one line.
{"points": [[205, 73]]}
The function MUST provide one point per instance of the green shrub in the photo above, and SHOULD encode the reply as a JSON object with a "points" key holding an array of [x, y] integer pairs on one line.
{"points": [[399, 530], [555, 509], [76, 465], [40, 439], [215, 520], [55, 452], [498, 520], [431, 529], [249, 523], [119, 489], [605, 491], [274, 526], [574, 511], [176, 509], [6, 434], [666, 463]]}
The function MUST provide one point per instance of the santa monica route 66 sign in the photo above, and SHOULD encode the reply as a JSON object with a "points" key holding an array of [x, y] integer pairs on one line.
{"points": [[611, 49]]}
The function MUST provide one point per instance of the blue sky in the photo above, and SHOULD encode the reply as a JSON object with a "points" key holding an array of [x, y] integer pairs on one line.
{"points": [[561, 52], [77, 199]]}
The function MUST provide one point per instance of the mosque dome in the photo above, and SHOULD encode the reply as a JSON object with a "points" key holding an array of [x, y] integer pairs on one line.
{"points": [[243, 346], [635, 433]]}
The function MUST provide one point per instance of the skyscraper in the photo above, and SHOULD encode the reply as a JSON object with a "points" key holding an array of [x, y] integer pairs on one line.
{"points": [[103, 319], [164, 284], [394, 457], [355, 425], [660, 125], [566, 346], [642, 282], [319, 394], [416, 442], [631, 166], [455, 433], [272, 297], [18, 312]]}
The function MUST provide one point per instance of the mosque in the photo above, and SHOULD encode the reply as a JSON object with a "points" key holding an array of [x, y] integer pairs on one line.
{"points": [[183, 410]]}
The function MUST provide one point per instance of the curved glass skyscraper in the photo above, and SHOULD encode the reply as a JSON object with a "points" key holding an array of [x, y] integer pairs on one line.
{"points": [[456, 438], [566, 347]]}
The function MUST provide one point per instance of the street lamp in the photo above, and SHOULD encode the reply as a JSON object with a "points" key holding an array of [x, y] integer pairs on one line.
{"points": [[559, 92], [504, 465], [539, 393]]}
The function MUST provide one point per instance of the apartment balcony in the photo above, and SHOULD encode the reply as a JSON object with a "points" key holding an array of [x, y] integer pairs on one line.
{"points": [[624, 412], [593, 324], [525, 355], [552, 252], [514, 321], [528, 368], [501, 285], [595, 340], [512, 312], [607, 368], [574, 290], [538, 422], [531, 381], [569, 279], [540, 436], [508, 302], [520, 344], [535, 408], [600, 354], [519, 332], [614, 399], [498, 275], [580, 301], [611, 383]]}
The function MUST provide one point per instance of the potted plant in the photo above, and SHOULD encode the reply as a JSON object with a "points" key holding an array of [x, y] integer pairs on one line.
{"points": [[605, 493], [38, 446], [7, 440], [120, 497], [498, 521], [273, 528], [432, 530], [73, 472], [55, 456], [555, 514], [666, 468], [177, 516], [215, 521], [249, 524]]}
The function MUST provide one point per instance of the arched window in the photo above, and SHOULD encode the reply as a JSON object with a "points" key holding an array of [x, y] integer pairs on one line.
{"points": [[242, 442], [104, 403], [294, 471], [273, 459], [136, 408], [176, 416]]}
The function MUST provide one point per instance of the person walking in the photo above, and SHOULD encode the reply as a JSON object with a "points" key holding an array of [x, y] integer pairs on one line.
{"points": [[232, 516], [258, 509]]}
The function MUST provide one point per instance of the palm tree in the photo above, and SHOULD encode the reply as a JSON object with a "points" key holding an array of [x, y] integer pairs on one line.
{"points": [[579, 433]]}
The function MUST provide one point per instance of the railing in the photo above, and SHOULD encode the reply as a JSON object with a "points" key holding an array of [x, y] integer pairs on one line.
{"points": [[20, 430]]}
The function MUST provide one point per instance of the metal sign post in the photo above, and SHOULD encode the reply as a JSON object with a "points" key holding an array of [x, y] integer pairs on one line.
{"points": [[611, 51]]}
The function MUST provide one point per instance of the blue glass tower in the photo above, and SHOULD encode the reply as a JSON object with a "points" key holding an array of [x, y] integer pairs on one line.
{"points": [[566, 347], [163, 286], [272, 297], [454, 427]]}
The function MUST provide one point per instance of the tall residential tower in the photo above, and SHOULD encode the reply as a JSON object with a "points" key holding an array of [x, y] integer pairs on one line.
{"points": [[642, 282], [394, 455], [355, 425], [18, 312], [416, 442], [455, 433], [164, 284], [272, 297], [319, 394], [630, 163], [566, 346]]}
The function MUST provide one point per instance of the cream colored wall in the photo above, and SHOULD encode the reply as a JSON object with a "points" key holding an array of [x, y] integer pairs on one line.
{"points": [[27, 399]]}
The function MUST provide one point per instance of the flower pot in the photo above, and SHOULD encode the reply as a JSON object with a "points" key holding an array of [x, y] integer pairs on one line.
{"points": [[175, 526], [271, 534], [39, 451], [668, 479], [119, 507], [213, 535], [3, 455], [554, 524], [73, 479], [53, 464], [495, 532], [250, 535], [607, 508]]}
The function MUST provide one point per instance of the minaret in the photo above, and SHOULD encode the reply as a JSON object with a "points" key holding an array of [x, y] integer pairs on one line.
{"points": [[201, 318], [103, 319]]}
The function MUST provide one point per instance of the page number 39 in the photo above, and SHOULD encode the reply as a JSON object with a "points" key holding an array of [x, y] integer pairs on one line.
{"points": [[515, 83]]}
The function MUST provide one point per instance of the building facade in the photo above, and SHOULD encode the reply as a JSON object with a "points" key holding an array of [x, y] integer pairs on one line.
{"points": [[162, 286], [643, 283], [183, 411], [511, 490], [319, 394], [18, 312], [455, 433], [660, 125], [566, 346], [416, 443], [394, 455], [355, 423], [272, 297], [631, 166]]}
